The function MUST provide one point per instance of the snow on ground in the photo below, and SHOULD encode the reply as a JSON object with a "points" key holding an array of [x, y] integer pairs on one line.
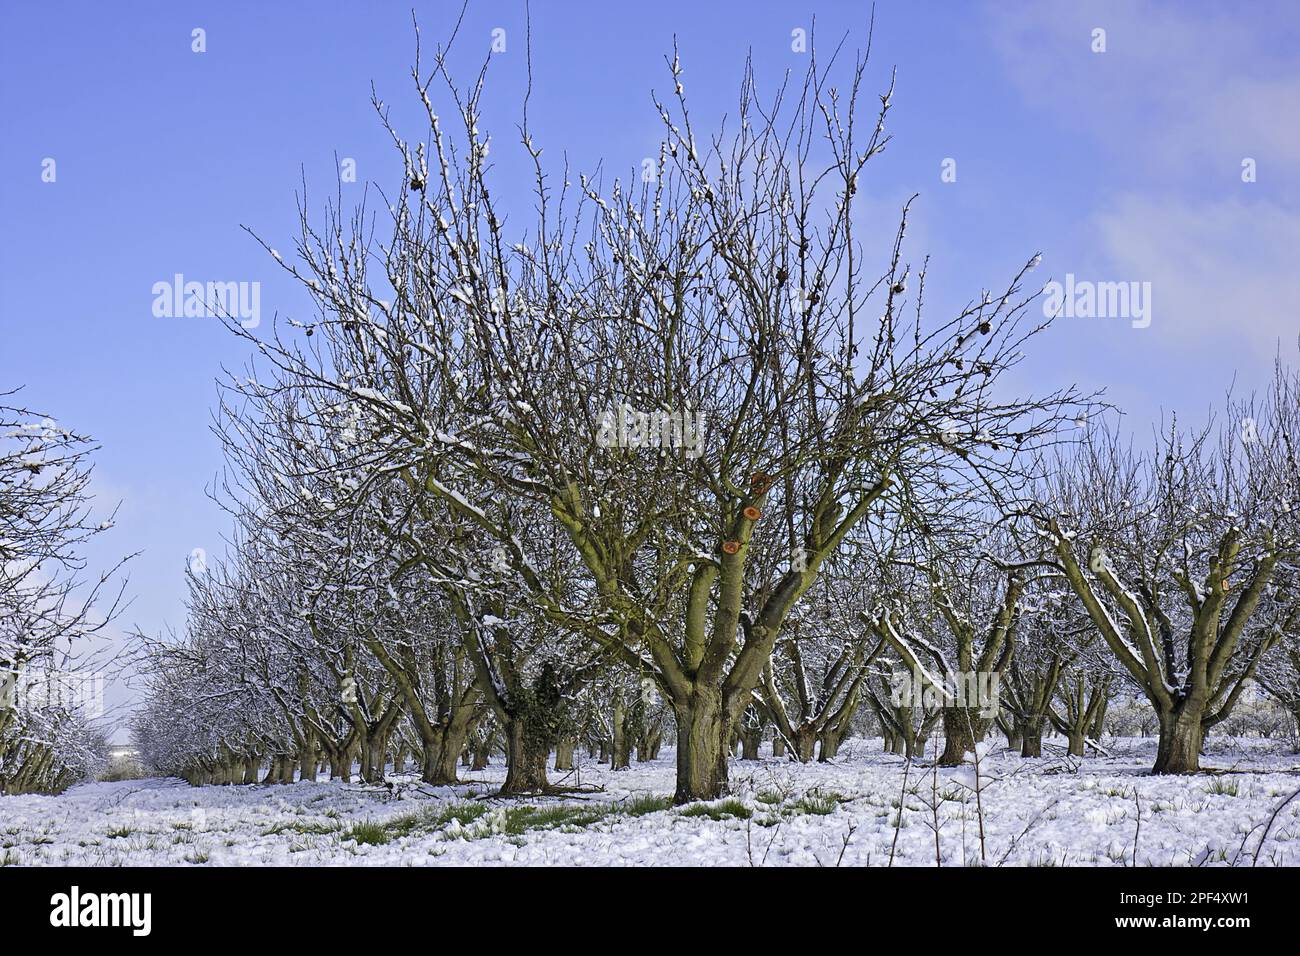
{"points": [[1054, 811]]}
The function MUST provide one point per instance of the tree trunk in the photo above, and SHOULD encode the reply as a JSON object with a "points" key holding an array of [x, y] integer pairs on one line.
{"points": [[1032, 738], [1179, 750], [905, 742], [621, 751], [1077, 739], [778, 745], [1099, 721], [963, 728], [482, 757], [439, 752], [374, 754], [830, 746], [528, 748], [443, 770], [648, 747], [804, 742], [564, 753], [750, 741], [340, 764], [703, 733]]}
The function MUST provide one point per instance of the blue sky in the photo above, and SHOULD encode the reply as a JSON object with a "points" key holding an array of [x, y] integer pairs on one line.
{"points": [[1123, 165]]}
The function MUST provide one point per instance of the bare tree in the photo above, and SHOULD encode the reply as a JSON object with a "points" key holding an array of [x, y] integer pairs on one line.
{"points": [[49, 611], [1173, 553]]}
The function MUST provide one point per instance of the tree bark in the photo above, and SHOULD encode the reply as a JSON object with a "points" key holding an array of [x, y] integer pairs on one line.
{"points": [[528, 747], [963, 728], [830, 746], [703, 732], [1032, 738], [805, 740], [439, 754], [647, 747], [1181, 733], [340, 761], [564, 753], [621, 751], [307, 765]]}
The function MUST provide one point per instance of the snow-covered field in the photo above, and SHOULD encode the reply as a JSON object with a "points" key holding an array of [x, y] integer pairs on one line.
{"points": [[1054, 811]]}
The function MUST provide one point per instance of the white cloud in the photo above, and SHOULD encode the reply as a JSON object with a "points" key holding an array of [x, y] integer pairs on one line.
{"points": [[1196, 88], [1182, 94], [1223, 273]]}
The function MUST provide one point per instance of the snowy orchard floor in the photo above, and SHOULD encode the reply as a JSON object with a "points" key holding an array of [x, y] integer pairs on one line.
{"points": [[1043, 812]]}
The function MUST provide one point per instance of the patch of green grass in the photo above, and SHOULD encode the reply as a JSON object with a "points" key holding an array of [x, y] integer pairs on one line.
{"points": [[769, 797], [435, 818], [407, 824], [368, 832], [119, 833], [818, 805], [299, 827], [645, 803], [1223, 787], [721, 810], [462, 813], [520, 820], [198, 857]]}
